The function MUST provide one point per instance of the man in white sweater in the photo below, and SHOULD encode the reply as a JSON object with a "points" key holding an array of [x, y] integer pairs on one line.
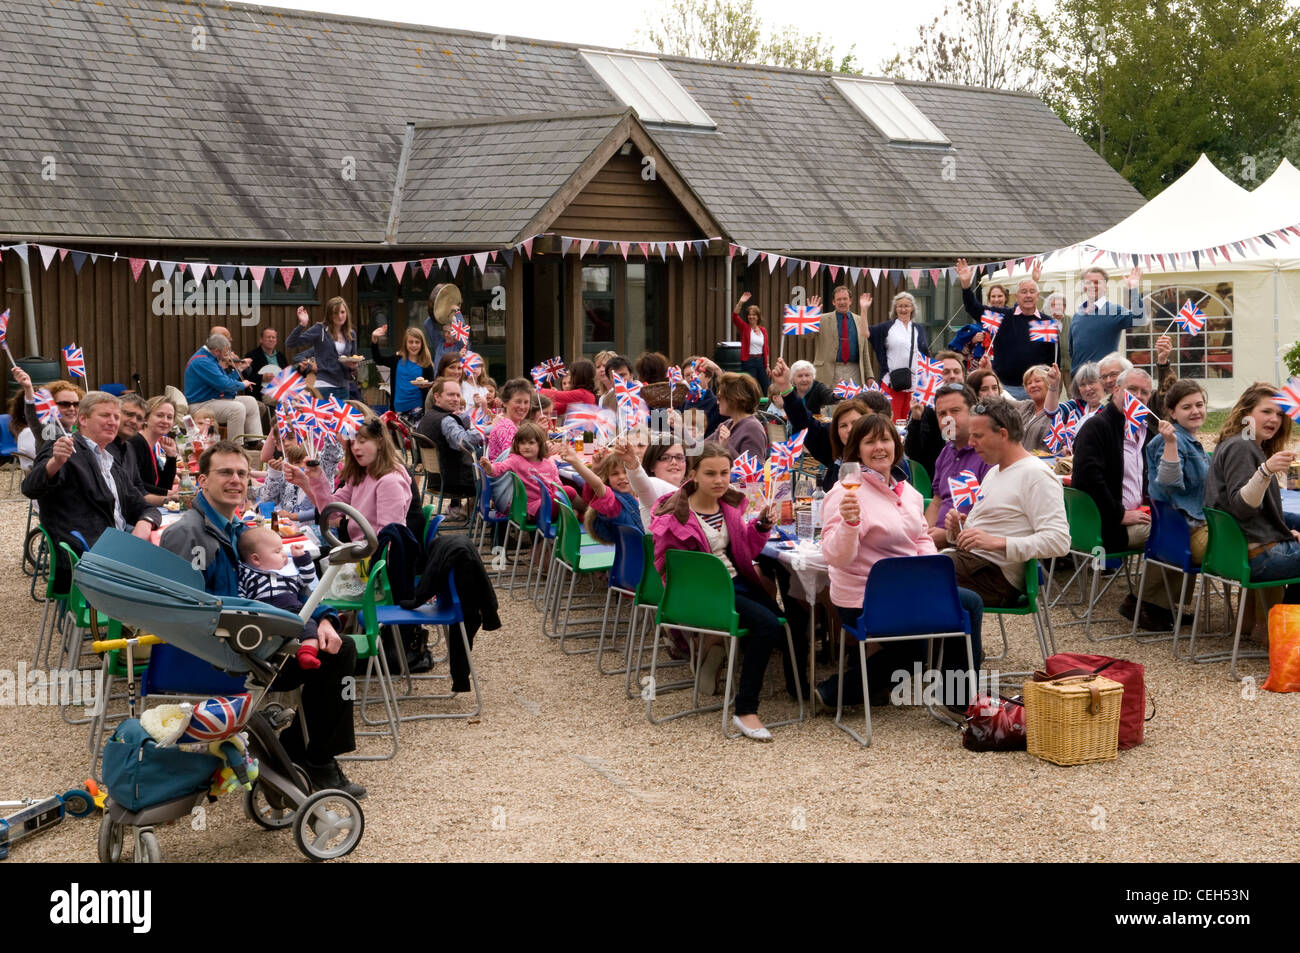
{"points": [[1020, 514]]}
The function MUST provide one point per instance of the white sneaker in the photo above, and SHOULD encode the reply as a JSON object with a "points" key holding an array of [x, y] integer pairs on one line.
{"points": [[753, 734]]}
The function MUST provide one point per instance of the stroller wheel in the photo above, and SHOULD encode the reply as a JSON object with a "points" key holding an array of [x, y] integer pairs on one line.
{"points": [[259, 807], [110, 841], [147, 850], [328, 825]]}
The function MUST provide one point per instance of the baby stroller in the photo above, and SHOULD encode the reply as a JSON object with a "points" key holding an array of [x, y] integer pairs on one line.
{"points": [[152, 590]]}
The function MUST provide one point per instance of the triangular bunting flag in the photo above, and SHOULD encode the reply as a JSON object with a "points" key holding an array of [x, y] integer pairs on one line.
{"points": [[509, 255], [623, 247], [528, 247], [21, 250], [855, 274], [583, 247], [426, 265], [314, 272], [371, 271], [565, 244], [835, 272], [481, 260], [645, 249], [875, 275], [78, 259], [813, 268], [453, 263], [492, 255], [662, 249], [790, 265], [772, 261], [258, 272], [167, 268], [287, 274], [63, 254], [751, 256], [137, 266], [1196, 257], [934, 276], [399, 269], [915, 275], [228, 272], [47, 254], [344, 273], [732, 249], [681, 249]]}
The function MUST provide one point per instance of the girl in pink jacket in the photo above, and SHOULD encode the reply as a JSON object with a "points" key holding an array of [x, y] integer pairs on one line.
{"points": [[707, 516], [881, 519], [528, 459]]}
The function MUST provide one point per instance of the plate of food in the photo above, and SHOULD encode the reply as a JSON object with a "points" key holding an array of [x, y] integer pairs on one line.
{"points": [[351, 359]]}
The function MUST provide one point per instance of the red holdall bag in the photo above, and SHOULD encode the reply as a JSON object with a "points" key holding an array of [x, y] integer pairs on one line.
{"points": [[1132, 675]]}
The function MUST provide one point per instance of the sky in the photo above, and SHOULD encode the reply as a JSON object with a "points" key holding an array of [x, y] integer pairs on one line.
{"points": [[877, 27]]}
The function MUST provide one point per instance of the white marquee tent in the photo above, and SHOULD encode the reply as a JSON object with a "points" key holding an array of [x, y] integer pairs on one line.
{"points": [[1198, 239]]}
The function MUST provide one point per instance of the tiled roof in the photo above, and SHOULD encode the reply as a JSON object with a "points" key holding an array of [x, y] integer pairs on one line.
{"points": [[288, 126]]}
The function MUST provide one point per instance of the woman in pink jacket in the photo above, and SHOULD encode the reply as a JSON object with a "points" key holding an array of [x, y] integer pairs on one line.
{"points": [[373, 480], [707, 516], [880, 519]]}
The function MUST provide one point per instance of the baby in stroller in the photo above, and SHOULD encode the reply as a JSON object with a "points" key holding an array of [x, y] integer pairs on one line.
{"points": [[262, 560]]}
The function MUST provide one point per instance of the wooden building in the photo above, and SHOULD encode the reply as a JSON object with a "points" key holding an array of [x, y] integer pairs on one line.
{"points": [[202, 134]]}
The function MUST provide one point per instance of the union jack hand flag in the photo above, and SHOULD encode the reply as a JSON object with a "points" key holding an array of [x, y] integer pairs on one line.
{"points": [[554, 367], [460, 330], [75, 359], [1060, 436], [217, 718], [1288, 398], [4, 325], [801, 320], [46, 409], [965, 489], [674, 376], [1135, 415], [625, 390], [925, 366], [845, 390], [480, 421], [1048, 331], [287, 382], [471, 364], [538, 374], [746, 468], [991, 321], [927, 387], [694, 389], [1191, 318], [785, 455], [634, 412]]}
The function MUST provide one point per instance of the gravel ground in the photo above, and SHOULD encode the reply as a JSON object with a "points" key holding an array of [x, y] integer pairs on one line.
{"points": [[561, 767]]}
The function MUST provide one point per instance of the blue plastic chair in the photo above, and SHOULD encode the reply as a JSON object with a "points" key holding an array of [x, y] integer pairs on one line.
{"points": [[117, 390], [8, 442], [1169, 546], [445, 610], [889, 615], [484, 515], [624, 579]]}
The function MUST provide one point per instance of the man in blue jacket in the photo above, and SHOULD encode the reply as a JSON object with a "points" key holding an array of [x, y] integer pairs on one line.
{"points": [[1096, 325], [213, 384], [207, 535]]}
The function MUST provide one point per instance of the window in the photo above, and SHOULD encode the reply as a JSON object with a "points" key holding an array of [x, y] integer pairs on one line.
{"points": [[645, 84], [597, 308], [885, 106], [645, 324], [1208, 355]]}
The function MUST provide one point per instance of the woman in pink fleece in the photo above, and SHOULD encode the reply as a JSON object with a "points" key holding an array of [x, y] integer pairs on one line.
{"points": [[373, 480], [882, 518], [706, 515], [528, 459]]}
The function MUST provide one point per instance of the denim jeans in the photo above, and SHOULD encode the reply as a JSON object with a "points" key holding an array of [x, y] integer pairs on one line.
{"points": [[753, 366], [895, 656]]}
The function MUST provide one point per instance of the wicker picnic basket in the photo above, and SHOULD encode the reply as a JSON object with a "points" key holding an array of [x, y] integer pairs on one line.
{"points": [[1073, 720]]}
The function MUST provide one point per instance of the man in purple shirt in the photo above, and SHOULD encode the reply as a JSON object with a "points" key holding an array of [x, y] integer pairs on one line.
{"points": [[952, 407]]}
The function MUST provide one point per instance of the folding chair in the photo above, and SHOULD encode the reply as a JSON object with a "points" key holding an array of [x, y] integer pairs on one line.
{"points": [[519, 522], [75, 629], [1085, 542], [699, 597], [370, 648], [484, 515], [55, 601], [576, 560], [1030, 604], [1227, 561], [445, 610], [888, 616], [624, 581], [649, 593], [543, 543], [432, 467], [1169, 546]]}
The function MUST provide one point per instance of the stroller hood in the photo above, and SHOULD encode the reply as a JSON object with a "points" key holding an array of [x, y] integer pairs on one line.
{"points": [[151, 589]]}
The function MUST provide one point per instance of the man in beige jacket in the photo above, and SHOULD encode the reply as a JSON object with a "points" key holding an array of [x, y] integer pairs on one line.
{"points": [[843, 352]]}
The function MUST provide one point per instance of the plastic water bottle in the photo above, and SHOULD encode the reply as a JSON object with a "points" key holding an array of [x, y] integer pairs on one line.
{"points": [[818, 495]]}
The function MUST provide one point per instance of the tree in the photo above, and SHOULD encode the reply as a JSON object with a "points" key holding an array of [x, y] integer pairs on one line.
{"points": [[1151, 84], [974, 43], [733, 32]]}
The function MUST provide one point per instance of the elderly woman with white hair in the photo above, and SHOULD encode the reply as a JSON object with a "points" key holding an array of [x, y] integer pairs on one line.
{"points": [[814, 394], [1086, 392], [896, 343]]}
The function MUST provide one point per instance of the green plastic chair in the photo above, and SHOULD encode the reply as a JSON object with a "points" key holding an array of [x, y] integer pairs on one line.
{"points": [[1029, 604], [76, 629], [1227, 559], [699, 597], [570, 558], [920, 479], [1085, 543], [370, 648], [521, 524], [56, 603]]}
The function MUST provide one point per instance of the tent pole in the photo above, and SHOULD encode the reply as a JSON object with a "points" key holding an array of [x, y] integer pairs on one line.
{"points": [[1277, 350]]}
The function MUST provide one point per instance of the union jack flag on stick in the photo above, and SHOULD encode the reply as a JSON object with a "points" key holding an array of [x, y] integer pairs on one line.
{"points": [[1047, 332], [965, 489], [846, 390], [801, 320], [4, 335], [1191, 319], [1135, 415], [75, 360], [1288, 398], [284, 385]]}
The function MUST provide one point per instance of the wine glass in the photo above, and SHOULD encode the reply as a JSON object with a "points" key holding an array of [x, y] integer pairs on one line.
{"points": [[851, 476]]}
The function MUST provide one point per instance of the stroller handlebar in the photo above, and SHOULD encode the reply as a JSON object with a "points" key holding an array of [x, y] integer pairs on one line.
{"points": [[113, 644], [341, 552]]}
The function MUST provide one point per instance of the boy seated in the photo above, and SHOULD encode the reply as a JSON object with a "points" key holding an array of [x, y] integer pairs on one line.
{"points": [[262, 557]]}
